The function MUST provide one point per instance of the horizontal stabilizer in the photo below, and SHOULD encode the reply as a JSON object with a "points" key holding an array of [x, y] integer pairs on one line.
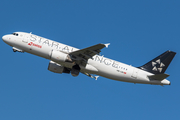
{"points": [[158, 77]]}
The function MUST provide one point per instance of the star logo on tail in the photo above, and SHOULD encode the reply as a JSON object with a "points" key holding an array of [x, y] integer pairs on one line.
{"points": [[158, 65]]}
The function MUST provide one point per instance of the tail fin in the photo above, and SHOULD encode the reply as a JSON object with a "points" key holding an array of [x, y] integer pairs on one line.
{"points": [[159, 64]]}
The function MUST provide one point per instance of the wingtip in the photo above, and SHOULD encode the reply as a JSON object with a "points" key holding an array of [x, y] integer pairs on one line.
{"points": [[96, 77]]}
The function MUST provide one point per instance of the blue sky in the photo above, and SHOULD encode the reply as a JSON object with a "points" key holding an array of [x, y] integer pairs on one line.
{"points": [[137, 30]]}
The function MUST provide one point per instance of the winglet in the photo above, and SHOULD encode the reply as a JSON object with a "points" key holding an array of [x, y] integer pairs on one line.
{"points": [[96, 77], [107, 45]]}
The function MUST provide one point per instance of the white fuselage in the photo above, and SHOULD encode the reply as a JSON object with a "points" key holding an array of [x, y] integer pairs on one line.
{"points": [[98, 65]]}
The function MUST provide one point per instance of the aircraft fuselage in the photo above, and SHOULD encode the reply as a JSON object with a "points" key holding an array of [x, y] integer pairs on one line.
{"points": [[99, 65]]}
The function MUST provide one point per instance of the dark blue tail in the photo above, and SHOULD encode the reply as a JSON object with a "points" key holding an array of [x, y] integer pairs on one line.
{"points": [[159, 64]]}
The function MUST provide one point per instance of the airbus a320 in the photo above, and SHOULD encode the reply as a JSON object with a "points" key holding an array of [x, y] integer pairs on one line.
{"points": [[88, 61]]}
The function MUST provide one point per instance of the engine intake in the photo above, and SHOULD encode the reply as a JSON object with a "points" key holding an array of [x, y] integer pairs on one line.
{"points": [[57, 68]]}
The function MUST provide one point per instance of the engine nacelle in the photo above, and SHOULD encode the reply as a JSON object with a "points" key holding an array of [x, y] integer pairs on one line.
{"points": [[57, 68], [58, 56]]}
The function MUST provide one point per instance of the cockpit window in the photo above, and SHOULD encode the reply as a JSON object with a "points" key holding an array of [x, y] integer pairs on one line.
{"points": [[15, 34]]}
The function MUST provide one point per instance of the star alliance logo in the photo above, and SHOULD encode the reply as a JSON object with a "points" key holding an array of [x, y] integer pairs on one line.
{"points": [[158, 65]]}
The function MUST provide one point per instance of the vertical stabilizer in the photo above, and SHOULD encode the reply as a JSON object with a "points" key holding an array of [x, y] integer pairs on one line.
{"points": [[159, 64]]}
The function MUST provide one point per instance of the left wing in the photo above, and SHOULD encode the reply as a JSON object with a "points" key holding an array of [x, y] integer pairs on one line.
{"points": [[82, 56]]}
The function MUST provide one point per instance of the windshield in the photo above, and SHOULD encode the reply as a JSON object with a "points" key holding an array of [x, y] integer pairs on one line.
{"points": [[15, 34]]}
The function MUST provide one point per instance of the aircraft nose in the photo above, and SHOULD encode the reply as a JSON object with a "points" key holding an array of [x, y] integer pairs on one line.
{"points": [[4, 38]]}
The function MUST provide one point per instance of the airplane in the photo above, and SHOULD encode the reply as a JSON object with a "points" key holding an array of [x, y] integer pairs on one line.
{"points": [[67, 59]]}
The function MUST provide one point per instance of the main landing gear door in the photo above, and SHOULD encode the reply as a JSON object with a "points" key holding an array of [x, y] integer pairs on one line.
{"points": [[135, 73]]}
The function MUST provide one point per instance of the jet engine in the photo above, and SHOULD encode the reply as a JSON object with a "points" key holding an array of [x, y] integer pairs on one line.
{"points": [[57, 68], [59, 56], [75, 70]]}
